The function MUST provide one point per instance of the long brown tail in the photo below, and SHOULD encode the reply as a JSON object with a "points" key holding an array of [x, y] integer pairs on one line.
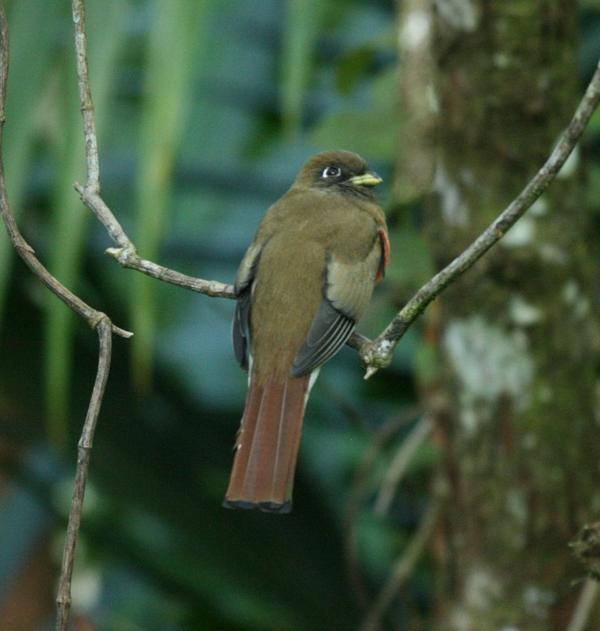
{"points": [[267, 446]]}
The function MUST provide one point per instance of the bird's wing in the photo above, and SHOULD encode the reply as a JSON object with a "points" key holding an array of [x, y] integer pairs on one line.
{"points": [[329, 331], [347, 291], [243, 290]]}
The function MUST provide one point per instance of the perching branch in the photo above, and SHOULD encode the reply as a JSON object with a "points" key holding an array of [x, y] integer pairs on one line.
{"points": [[96, 319], [125, 253], [378, 354], [375, 354]]}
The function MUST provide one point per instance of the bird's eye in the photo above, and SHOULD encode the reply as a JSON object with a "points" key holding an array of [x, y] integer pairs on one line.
{"points": [[331, 172]]}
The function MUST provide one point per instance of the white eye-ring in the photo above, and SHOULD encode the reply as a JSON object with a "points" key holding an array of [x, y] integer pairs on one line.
{"points": [[331, 171]]}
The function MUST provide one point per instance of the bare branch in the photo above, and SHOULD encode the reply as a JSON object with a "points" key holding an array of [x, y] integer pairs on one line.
{"points": [[399, 464], [212, 288], [25, 251], [85, 98], [96, 319], [103, 213], [359, 487], [378, 353], [63, 599], [404, 566], [125, 253]]}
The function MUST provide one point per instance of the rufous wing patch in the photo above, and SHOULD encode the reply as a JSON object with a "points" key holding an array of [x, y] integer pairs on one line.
{"points": [[385, 253]]}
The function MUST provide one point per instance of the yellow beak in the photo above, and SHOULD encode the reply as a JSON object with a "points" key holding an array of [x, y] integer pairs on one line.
{"points": [[366, 179]]}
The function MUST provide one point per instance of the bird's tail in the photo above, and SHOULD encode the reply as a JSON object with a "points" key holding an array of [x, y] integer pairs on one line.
{"points": [[267, 446]]}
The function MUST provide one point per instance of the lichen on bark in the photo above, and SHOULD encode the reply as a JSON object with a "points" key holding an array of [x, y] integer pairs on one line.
{"points": [[519, 332]]}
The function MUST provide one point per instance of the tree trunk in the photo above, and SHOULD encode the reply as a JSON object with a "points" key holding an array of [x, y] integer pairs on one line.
{"points": [[518, 335]]}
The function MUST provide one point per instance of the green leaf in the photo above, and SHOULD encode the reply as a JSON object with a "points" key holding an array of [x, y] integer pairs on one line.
{"points": [[177, 30], [301, 28], [352, 67], [411, 264], [372, 130]]}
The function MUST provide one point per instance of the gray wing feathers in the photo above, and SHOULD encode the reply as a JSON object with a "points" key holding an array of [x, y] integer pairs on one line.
{"points": [[241, 318], [241, 328], [347, 290], [329, 331]]}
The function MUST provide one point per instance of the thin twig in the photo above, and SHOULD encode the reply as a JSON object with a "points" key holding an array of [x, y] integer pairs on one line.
{"points": [[213, 288], [400, 463], [95, 318], [84, 449], [126, 253], [85, 98], [25, 251], [404, 566], [359, 486], [585, 605], [378, 353]]}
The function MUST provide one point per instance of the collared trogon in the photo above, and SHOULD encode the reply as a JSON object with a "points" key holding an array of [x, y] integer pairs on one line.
{"points": [[301, 287]]}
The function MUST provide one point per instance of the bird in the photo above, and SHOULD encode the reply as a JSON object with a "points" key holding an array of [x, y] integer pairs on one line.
{"points": [[301, 287]]}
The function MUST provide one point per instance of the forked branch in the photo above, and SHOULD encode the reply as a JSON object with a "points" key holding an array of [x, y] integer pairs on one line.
{"points": [[96, 319], [378, 354], [375, 354]]}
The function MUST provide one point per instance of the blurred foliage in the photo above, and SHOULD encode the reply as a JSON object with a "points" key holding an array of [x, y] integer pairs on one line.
{"points": [[30, 58], [206, 110], [177, 38]]}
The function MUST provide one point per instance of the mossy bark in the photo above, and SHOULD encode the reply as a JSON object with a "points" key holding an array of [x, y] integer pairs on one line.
{"points": [[518, 334]]}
